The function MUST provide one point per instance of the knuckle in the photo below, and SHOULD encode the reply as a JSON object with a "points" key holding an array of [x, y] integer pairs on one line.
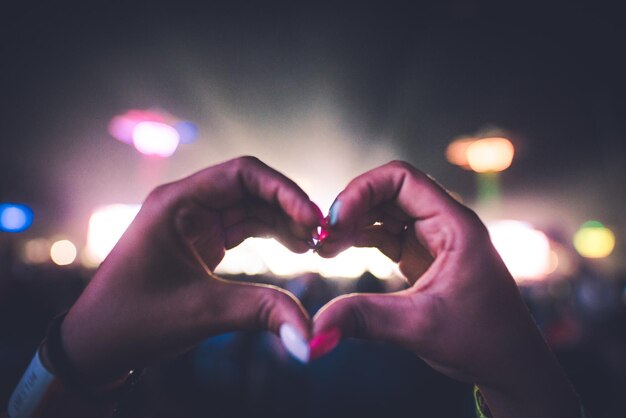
{"points": [[161, 196], [471, 225], [401, 165], [245, 162], [355, 310]]}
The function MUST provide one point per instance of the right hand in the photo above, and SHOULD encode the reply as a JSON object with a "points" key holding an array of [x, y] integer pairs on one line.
{"points": [[463, 313]]}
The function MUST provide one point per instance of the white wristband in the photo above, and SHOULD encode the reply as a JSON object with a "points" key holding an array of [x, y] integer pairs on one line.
{"points": [[31, 390]]}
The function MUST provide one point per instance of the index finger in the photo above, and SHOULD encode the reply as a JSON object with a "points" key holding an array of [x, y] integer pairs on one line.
{"points": [[228, 184], [439, 220]]}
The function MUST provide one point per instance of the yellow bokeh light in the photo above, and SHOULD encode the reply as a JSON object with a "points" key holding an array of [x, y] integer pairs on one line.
{"points": [[63, 252], [456, 153], [594, 240], [490, 154]]}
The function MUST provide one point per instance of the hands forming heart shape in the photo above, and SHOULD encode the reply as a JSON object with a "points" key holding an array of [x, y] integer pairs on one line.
{"points": [[155, 296]]}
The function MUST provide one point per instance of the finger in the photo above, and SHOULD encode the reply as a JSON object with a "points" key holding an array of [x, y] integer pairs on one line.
{"points": [[440, 219], [412, 258], [385, 235], [370, 236], [253, 306], [257, 209], [244, 178], [236, 234], [371, 316], [259, 306]]}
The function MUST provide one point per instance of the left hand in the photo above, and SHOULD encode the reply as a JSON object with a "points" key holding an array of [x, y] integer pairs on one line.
{"points": [[155, 295]]}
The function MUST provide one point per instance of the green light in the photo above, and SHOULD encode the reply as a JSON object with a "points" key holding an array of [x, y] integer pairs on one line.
{"points": [[592, 224]]}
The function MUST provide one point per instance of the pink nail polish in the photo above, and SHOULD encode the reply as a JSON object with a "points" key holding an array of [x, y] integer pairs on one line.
{"points": [[324, 343]]}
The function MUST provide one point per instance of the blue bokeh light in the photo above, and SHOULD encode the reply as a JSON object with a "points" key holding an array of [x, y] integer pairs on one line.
{"points": [[187, 130], [15, 217]]}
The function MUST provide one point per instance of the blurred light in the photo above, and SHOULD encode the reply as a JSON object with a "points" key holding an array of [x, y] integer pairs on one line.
{"points": [[187, 130], [121, 127], [554, 262], [63, 252], [106, 226], [15, 217], [258, 256], [525, 250], [490, 154], [594, 240], [155, 138], [153, 131], [456, 153], [36, 251]]}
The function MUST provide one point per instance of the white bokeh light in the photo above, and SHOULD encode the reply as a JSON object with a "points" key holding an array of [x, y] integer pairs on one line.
{"points": [[155, 138], [106, 226], [524, 249], [63, 252], [259, 256]]}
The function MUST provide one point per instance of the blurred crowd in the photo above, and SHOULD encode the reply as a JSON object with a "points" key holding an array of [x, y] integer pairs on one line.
{"points": [[583, 317]]}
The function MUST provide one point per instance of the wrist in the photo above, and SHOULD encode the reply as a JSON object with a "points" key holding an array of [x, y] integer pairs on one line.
{"points": [[542, 390], [60, 358], [49, 386]]}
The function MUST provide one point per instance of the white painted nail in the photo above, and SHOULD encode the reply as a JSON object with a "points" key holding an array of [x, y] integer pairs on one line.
{"points": [[294, 342]]}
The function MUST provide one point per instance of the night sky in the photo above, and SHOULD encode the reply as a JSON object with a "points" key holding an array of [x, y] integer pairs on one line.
{"points": [[307, 86]]}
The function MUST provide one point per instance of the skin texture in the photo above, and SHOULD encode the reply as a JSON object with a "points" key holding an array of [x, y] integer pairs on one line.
{"points": [[463, 313], [155, 296]]}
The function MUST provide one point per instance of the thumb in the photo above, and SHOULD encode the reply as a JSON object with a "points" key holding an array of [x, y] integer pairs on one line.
{"points": [[259, 306], [383, 317]]}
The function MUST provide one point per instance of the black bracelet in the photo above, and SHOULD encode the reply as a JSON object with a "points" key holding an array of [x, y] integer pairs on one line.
{"points": [[63, 371]]}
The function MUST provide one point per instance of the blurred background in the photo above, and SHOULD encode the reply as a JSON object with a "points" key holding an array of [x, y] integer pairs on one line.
{"points": [[518, 109]]}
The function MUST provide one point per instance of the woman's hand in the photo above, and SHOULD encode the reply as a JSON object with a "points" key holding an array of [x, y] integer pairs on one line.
{"points": [[155, 296], [463, 313]]}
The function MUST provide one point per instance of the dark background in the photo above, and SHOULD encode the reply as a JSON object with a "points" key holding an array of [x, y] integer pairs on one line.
{"points": [[407, 76]]}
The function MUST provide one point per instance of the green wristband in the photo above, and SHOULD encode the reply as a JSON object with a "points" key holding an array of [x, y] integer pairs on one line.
{"points": [[482, 410]]}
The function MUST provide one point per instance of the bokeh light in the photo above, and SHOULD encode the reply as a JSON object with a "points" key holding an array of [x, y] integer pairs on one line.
{"points": [[187, 130], [490, 155], [106, 226], [155, 138], [456, 152], [36, 251], [525, 250], [15, 217], [594, 240], [153, 131], [122, 126], [63, 252], [259, 255]]}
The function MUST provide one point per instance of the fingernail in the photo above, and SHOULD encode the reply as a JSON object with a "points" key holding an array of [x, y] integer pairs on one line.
{"points": [[334, 212], [295, 343], [323, 233], [324, 343]]}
